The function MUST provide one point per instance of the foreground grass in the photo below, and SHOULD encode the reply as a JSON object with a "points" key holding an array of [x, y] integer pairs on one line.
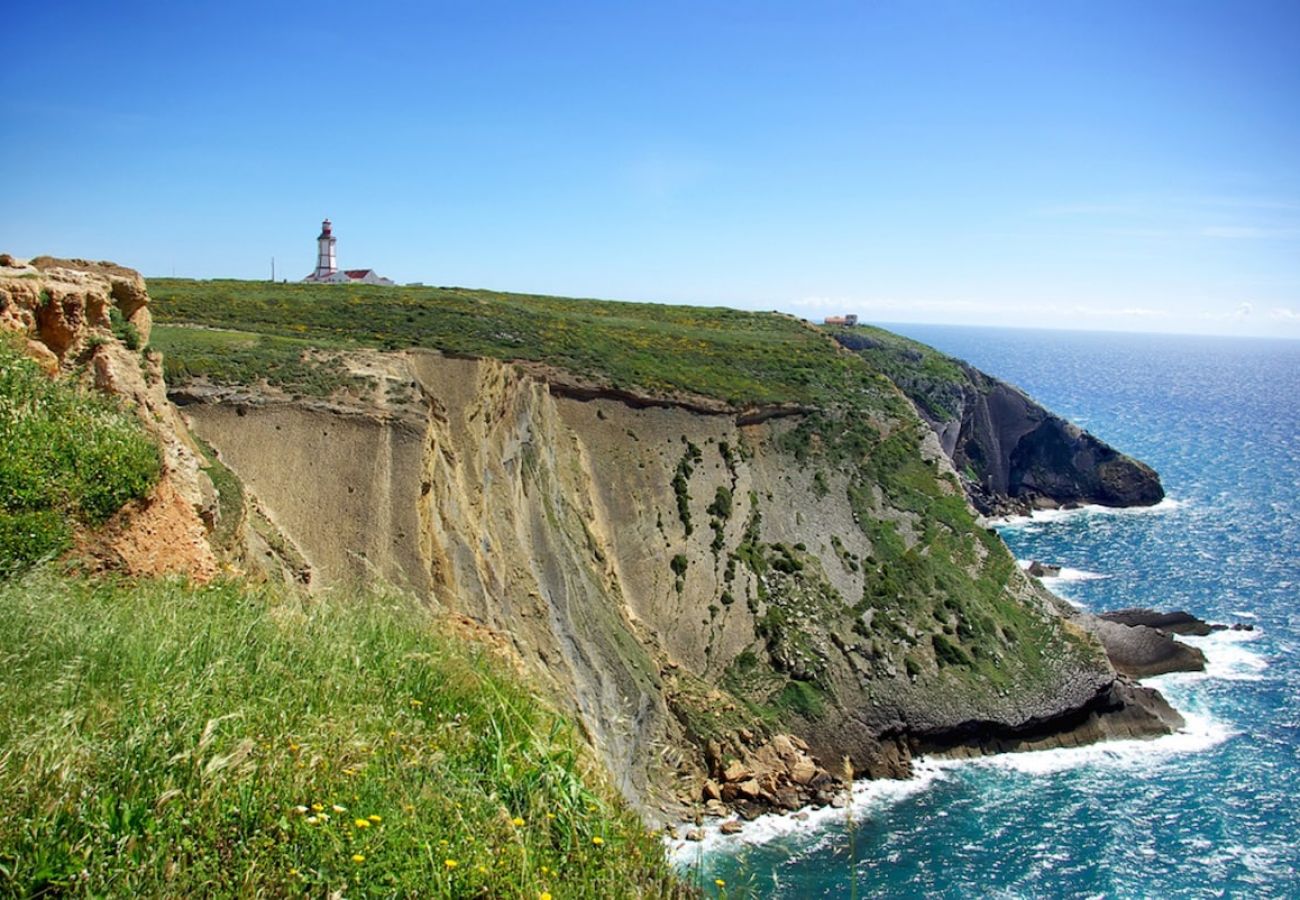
{"points": [[158, 738]]}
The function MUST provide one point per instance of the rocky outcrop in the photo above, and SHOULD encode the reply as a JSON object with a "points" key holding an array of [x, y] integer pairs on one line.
{"points": [[1176, 622], [1014, 456], [90, 321]]}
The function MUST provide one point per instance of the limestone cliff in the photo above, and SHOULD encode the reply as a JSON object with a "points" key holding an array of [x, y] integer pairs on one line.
{"points": [[1013, 454], [695, 583]]}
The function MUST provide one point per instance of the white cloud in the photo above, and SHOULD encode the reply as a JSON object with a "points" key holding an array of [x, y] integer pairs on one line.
{"points": [[1249, 232], [1284, 314]]}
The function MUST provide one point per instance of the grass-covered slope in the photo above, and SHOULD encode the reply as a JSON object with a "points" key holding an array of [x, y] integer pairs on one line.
{"points": [[738, 357], [159, 739], [68, 457]]}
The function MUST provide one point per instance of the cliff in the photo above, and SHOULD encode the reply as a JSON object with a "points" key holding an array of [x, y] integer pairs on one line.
{"points": [[89, 322], [727, 580], [1013, 455]]}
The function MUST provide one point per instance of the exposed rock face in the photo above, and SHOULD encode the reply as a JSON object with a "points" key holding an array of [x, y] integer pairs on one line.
{"points": [[561, 520], [65, 309], [1013, 454]]}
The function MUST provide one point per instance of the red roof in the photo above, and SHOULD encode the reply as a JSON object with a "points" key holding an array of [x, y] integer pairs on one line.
{"points": [[357, 273]]}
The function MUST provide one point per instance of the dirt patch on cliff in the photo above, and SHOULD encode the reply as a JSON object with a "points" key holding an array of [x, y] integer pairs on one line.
{"points": [[161, 536]]}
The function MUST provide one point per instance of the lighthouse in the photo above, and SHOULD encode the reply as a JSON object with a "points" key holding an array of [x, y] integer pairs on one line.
{"points": [[326, 264], [327, 267]]}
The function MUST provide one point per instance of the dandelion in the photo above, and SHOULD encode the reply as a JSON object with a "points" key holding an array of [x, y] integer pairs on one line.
{"points": [[598, 840], [324, 817], [719, 882], [544, 895], [550, 816], [361, 823], [316, 807], [339, 809], [358, 858], [517, 822], [375, 819], [450, 864], [416, 703]]}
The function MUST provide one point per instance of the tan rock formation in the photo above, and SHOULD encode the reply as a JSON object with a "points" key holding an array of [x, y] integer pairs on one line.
{"points": [[63, 309]]}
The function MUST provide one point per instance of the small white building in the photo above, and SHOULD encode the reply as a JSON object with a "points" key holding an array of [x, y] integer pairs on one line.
{"points": [[327, 270]]}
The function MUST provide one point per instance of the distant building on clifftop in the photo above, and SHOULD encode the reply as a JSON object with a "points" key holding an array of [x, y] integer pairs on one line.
{"points": [[850, 319], [327, 270]]}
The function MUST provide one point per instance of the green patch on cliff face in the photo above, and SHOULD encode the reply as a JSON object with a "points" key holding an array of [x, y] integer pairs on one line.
{"points": [[933, 380], [68, 457]]}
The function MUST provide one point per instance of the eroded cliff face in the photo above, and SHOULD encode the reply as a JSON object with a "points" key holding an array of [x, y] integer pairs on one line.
{"points": [[90, 320], [1013, 454], [693, 585]]}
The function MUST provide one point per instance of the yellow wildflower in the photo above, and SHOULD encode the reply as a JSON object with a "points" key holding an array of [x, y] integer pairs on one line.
{"points": [[361, 823], [517, 822], [450, 863], [358, 858], [375, 819], [545, 895], [598, 840], [416, 703], [719, 882], [317, 807]]}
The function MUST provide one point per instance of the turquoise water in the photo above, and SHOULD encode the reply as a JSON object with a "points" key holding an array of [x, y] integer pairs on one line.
{"points": [[1214, 811]]}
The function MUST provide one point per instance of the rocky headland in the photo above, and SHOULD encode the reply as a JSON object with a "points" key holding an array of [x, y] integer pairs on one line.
{"points": [[1013, 455], [741, 602]]}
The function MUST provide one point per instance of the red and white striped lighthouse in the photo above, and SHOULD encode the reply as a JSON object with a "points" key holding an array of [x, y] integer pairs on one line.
{"points": [[326, 265]]}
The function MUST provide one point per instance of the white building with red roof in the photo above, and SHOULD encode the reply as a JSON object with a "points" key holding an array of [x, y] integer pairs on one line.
{"points": [[327, 269]]}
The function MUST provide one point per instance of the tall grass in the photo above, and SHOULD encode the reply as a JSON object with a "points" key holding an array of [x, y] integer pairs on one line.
{"points": [[158, 738]]}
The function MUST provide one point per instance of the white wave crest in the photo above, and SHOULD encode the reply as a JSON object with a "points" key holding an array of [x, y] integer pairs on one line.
{"points": [[1201, 732], [810, 821], [1228, 657], [1044, 516]]}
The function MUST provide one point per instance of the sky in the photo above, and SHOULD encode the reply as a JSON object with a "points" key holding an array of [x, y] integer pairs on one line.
{"points": [[1091, 165]]}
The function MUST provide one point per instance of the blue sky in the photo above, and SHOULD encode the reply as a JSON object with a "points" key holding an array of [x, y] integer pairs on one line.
{"points": [[1104, 165]]}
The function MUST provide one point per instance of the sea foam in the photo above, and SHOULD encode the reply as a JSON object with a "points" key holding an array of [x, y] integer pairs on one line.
{"points": [[1047, 516]]}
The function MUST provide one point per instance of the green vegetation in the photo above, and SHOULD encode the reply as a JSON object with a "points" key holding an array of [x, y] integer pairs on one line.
{"points": [[163, 739], [933, 380], [306, 368], [740, 357], [67, 457]]}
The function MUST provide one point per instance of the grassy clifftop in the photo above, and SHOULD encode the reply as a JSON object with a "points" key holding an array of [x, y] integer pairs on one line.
{"points": [[742, 358]]}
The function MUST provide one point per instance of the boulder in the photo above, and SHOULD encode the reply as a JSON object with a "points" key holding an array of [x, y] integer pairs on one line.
{"points": [[731, 827]]}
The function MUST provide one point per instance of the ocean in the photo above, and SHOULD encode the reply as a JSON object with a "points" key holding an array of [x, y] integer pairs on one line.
{"points": [[1213, 811]]}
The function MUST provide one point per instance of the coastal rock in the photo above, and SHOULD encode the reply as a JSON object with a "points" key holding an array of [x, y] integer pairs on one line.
{"points": [[731, 827], [1043, 570], [1143, 652], [1176, 622]]}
